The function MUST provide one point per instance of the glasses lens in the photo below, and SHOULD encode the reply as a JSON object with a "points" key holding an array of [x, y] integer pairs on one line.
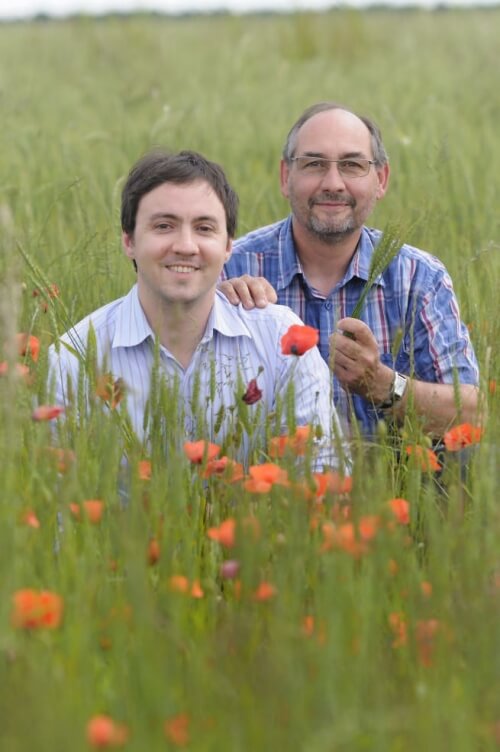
{"points": [[312, 164], [349, 168], [353, 168]]}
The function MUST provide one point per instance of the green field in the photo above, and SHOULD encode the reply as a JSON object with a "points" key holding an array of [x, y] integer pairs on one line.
{"points": [[389, 642]]}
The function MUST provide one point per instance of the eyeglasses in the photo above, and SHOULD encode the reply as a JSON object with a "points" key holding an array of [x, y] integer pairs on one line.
{"points": [[348, 168]]}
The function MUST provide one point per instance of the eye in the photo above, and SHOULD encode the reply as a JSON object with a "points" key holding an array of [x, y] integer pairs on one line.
{"points": [[313, 164], [162, 226], [205, 229]]}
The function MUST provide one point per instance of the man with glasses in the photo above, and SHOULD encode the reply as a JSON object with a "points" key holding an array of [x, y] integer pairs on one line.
{"points": [[410, 346]]}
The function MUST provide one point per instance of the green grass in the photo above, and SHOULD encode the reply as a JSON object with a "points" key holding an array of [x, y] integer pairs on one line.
{"points": [[81, 100]]}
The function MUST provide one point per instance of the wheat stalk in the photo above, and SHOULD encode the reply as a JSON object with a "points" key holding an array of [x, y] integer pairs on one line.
{"points": [[386, 250]]}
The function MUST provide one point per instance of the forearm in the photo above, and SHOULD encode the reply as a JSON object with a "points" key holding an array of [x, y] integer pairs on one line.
{"points": [[439, 405]]}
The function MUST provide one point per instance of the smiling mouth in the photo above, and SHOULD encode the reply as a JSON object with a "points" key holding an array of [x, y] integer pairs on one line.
{"points": [[331, 201], [178, 269]]}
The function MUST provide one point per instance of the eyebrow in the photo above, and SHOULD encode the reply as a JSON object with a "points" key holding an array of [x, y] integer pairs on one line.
{"points": [[169, 215], [347, 155]]}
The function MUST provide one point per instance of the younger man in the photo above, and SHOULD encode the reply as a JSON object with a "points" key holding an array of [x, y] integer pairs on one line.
{"points": [[179, 218]]}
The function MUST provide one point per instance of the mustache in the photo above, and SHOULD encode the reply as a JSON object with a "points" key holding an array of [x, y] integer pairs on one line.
{"points": [[334, 197]]}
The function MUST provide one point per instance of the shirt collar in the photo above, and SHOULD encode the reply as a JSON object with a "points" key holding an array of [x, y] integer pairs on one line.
{"points": [[132, 326], [225, 319], [289, 263], [359, 266]]}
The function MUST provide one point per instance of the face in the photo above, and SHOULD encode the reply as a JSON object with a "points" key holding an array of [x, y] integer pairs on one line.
{"points": [[329, 205], [180, 244]]}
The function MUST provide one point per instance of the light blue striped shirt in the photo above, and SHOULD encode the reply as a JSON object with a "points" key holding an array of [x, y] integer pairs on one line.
{"points": [[208, 393]]}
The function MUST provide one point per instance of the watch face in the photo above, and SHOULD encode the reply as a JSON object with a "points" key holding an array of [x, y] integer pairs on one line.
{"points": [[400, 383]]}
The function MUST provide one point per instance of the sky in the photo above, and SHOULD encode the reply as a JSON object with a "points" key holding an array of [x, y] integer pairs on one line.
{"points": [[25, 8]]}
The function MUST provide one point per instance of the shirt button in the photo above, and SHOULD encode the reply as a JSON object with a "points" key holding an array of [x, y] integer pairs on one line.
{"points": [[328, 305]]}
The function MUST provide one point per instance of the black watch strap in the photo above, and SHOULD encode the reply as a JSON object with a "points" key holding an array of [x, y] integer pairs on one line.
{"points": [[398, 388]]}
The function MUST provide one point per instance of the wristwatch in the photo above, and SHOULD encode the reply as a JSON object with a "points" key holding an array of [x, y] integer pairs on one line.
{"points": [[398, 388]]}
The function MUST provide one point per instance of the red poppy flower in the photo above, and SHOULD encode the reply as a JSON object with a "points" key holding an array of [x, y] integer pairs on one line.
{"points": [[399, 628], [51, 292], [368, 526], [21, 369], [296, 443], [426, 589], [224, 467], [264, 592], [27, 344], [253, 394], [93, 509], [153, 551], [177, 730], [46, 412], [33, 609], [299, 339], [333, 482], [310, 628], [30, 519], [461, 436], [225, 534], [178, 583], [199, 451], [144, 469], [344, 538], [401, 510], [264, 477], [103, 731], [427, 458]]}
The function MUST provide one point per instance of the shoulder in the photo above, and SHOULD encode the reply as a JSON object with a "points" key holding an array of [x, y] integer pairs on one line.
{"points": [[102, 321], [410, 262], [271, 318], [259, 239], [263, 325]]}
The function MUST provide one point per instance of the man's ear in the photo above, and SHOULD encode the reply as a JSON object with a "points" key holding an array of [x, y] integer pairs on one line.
{"points": [[128, 245], [229, 249], [383, 174], [284, 172]]}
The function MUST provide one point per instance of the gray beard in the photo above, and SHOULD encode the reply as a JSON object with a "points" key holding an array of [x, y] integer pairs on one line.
{"points": [[331, 234]]}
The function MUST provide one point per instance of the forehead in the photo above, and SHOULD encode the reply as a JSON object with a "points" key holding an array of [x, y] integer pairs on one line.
{"points": [[334, 133], [185, 200]]}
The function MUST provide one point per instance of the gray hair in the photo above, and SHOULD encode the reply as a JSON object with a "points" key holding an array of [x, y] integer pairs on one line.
{"points": [[379, 152]]}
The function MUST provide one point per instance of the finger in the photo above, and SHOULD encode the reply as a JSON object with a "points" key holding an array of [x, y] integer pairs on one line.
{"points": [[269, 291], [245, 294], [261, 291], [227, 289], [355, 329], [342, 345]]}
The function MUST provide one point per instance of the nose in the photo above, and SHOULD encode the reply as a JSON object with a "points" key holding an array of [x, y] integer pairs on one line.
{"points": [[331, 179], [184, 242]]}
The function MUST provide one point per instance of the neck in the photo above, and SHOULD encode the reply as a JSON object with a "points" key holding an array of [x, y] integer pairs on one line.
{"points": [[324, 261], [179, 326]]}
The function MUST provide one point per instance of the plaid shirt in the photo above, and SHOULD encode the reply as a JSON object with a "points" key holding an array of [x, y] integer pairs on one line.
{"points": [[412, 303]]}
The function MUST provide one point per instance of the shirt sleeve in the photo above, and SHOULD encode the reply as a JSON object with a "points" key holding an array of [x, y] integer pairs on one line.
{"points": [[62, 379], [441, 342]]}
